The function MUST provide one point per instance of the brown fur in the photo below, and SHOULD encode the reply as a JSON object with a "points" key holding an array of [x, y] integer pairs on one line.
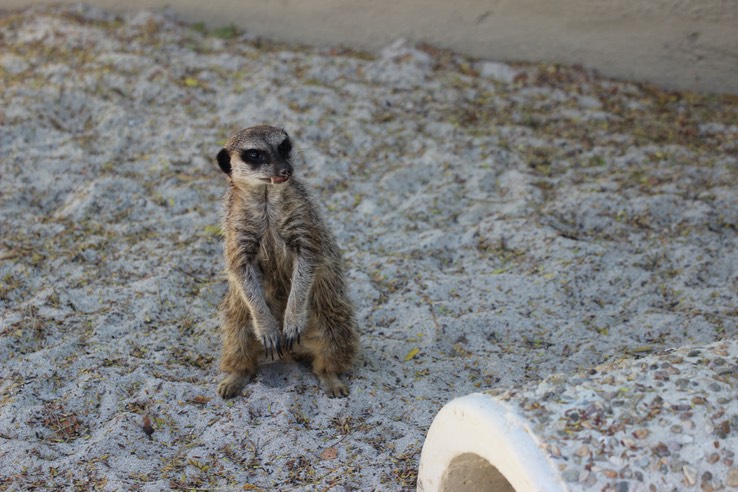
{"points": [[286, 288]]}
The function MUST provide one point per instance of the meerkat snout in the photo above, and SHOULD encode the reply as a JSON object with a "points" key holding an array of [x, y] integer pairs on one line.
{"points": [[257, 154]]}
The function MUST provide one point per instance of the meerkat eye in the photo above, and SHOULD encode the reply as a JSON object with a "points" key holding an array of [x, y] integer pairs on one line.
{"points": [[285, 148], [253, 156]]}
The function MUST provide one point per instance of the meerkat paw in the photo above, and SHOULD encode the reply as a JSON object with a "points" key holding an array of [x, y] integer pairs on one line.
{"points": [[292, 333], [271, 340], [233, 384], [294, 325], [272, 344], [333, 386]]}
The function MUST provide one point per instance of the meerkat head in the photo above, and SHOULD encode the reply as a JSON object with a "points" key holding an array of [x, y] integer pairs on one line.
{"points": [[257, 155]]}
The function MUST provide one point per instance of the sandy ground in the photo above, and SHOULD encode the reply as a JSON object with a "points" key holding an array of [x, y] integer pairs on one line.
{"points": [[500, 223]]}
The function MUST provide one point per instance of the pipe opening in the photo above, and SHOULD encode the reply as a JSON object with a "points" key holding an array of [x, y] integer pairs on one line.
{"points": [[470, 472]]}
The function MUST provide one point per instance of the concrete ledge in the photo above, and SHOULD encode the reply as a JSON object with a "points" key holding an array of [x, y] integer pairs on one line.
{"points": [[685, 45], [664, 422], [477, 443]]}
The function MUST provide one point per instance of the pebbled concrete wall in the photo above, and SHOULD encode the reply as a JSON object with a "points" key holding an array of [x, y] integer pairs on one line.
{"points": [[676, 44]]}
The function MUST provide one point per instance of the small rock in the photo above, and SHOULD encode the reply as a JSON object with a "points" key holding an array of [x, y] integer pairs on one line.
{"points": [[713, 458], [583, 451], [723, 429], [732, 479], [690, 474], [674, 446], [590, 480], [715, 387], [661, 375], [570, 475], [640, 433], [706, 477], [630, 443], [621, 487], [554, 450], [661, 450]]}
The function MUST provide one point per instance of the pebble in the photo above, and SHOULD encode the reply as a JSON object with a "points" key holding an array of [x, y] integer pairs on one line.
{"points": [[723, 429], [698, 400], [661, 450], [682, 383], [640, 433], [732, 478], [715, 387], [583, 451], [621, 487], [690, 473], [570, 475]]}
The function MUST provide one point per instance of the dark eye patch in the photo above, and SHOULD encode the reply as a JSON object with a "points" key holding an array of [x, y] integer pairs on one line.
{"points": [[285, 147], [253, 156]]}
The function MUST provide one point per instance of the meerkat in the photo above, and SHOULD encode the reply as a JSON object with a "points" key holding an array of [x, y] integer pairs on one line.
{"points": [[286, 286]]}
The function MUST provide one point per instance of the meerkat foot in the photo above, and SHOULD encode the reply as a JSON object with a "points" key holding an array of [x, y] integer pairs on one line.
{"points": [[333, 386], [233, 384]]}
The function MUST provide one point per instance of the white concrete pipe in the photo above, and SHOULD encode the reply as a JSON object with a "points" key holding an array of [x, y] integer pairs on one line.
{"points": [[666, 422]]}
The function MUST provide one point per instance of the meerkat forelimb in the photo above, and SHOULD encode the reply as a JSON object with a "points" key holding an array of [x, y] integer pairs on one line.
{"points": [[286, 287]]}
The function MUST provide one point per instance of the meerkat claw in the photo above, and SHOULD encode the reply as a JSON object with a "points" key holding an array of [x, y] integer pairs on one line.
{"points": [[270, 347], [292, 341]]}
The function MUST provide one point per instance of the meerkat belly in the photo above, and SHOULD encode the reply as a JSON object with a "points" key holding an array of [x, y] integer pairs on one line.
{"points": [[275, 262]]}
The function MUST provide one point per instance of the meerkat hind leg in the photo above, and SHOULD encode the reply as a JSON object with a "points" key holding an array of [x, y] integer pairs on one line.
{"points": [[327, 376], [240, 347]]}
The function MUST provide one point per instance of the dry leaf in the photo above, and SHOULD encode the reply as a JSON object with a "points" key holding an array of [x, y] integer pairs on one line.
{"points": [[329, 454], [412, 354], [191, 82]]}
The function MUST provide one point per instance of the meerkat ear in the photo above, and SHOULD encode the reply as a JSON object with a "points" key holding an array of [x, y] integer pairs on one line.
{"points": [[224, 161]]}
